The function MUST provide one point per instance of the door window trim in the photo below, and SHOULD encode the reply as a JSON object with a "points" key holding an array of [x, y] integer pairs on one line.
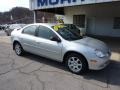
{"points": [[37, 30], [30, 34]]}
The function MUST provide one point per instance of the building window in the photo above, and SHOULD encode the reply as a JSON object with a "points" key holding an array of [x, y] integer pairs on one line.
{"points": [[116, 24], [79, 20]]}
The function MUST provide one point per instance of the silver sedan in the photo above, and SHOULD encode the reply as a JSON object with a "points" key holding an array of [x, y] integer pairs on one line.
{"points": [[62, 43]]}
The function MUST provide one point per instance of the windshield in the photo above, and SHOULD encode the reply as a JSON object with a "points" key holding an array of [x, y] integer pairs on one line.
{"points": [[68, 31]]}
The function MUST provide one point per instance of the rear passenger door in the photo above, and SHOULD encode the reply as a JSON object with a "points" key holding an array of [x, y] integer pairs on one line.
{"points": [[28, 38]]}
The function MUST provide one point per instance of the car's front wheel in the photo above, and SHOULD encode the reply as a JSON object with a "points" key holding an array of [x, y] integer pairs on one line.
{"points": [[18, 49], [76, 63]]}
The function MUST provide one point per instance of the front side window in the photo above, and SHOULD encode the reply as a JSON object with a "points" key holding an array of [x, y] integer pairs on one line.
{"points": [[45, 32], [30, 30]]}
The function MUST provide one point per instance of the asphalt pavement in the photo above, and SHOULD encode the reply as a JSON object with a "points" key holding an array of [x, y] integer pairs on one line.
{"points": [[2, 33]]}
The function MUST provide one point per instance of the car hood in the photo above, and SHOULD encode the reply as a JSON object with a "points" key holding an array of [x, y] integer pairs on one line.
{"points": [[94, 43]]}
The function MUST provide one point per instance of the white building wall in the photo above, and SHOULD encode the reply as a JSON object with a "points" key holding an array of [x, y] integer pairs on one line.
{"points": [[100, 17]]}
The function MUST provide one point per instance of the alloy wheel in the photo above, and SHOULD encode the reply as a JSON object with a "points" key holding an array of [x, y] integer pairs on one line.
{"points": [[74, 64], [18, 49]]}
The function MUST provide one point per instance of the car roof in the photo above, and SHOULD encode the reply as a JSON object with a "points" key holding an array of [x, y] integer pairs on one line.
{"points": [[45, 24], [48, 24]]}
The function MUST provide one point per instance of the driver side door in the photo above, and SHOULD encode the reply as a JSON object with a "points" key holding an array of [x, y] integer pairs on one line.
{"points": [[46, 46]]}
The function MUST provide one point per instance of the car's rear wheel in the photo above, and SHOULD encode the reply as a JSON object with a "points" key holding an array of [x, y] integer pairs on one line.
{"points": [[76, 63], [18, 49]]}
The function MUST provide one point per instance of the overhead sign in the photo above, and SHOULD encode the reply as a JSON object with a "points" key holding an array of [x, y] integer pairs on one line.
{"points": [[53, 2], [43, 4]]}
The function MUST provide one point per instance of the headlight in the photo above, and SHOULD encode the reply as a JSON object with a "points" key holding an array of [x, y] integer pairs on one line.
{"points": [[99, 53]]}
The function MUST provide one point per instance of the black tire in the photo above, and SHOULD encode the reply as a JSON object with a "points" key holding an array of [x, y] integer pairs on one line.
{"points": [[81, 65], [18, 49]]}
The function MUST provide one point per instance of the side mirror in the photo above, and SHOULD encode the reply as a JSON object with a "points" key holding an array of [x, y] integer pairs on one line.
{"points": [[55, 38]]}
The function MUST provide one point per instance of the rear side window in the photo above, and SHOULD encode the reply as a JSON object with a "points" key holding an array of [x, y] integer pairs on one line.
{"points": [[45, 32], [30, 30]]}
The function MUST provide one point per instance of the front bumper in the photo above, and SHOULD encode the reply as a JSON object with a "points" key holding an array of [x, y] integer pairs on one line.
{"points": [[99, 63]]}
